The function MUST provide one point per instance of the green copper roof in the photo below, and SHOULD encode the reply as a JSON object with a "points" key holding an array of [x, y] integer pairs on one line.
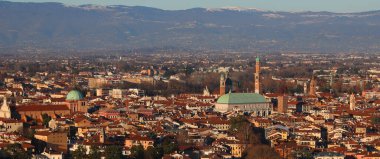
{"points": [[74, 95], [241, 98], [257, 59]]}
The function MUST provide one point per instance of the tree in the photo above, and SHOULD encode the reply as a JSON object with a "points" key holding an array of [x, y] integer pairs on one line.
{"points": [[169, 147], [236, 123], [113, 152], [137, 151], [80, 152], [4, 154], [15, 151], [209, 140], [153, 153], [152, 135], [182, 137], [243, 130], [302, 153], [375, 120], [39, 145], [28, 133], [94, 153], [261, 152], [45, 119], [169, 72]]}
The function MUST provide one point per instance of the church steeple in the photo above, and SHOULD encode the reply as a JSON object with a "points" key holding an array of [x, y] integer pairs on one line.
{"points": [[257, 76], [206, 92], [5, 111], [102, 136], [225, 83], [352, 102], [222, 84], [313, 85]]}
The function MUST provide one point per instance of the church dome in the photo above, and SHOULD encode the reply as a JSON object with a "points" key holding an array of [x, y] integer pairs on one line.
{"points": [[241, 98], [74, 95]]}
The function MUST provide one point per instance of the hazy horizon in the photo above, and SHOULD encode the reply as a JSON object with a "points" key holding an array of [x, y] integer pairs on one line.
{"points": [[273, 5]]}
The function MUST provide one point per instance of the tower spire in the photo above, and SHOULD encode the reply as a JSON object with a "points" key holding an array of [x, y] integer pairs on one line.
{"points": [[102, 136], [312, 88], [222, 84], [257, 76], [352, 102], [5, 111]]}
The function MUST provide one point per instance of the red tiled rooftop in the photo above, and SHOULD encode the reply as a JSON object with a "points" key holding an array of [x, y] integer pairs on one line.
{"points": [[41, 108]]}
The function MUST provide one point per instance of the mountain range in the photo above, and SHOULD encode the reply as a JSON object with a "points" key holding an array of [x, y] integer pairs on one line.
{"points": [[57, 26]]}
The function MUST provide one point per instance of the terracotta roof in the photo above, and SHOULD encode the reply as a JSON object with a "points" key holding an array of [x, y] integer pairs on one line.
{"points": [[41, 108], [43, 133], [26, 145]]}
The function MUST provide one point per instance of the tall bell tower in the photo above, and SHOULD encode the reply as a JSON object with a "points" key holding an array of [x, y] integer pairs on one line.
{"points": [[352, 102], [222, 84], [312, 88], [257, 77]]}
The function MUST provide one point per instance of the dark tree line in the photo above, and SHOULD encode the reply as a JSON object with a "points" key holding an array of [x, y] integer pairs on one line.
{"points": [[255, 141]]}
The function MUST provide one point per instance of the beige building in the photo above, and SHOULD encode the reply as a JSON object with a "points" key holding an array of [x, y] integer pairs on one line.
{"points": [[55, 140], [52, 155], [96, 82], [237, 148], [138, 140], [10, 125]]}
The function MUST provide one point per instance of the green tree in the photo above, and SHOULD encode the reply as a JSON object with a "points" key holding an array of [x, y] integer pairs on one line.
{"points": [[39, 145], [137, 152], [45, 119], [237, 122], [15, 151], [153, 153], [170, 147], [262, 152], [152, 135], [243, 130], [28, 133], [94, 153], [169, 72], [375, 120], [4, 154], [80, 152], [302, 153], [113, 152]]}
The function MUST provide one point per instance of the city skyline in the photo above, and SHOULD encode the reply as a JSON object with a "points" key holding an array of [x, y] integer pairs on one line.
{"points": [[190, 79], [273, 5]]}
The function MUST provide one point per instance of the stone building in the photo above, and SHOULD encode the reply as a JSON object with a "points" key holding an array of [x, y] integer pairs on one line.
{"points": [[246, 102]]}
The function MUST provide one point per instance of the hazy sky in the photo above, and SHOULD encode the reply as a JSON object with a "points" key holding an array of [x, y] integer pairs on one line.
{"points": [[276, 5]]}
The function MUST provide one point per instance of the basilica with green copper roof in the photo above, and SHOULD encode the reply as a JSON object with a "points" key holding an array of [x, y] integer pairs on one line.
{"points": [[253, 103], [241, 98]]}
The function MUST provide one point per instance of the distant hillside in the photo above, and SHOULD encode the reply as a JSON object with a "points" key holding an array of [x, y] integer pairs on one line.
{"points": [[56, 26]]}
